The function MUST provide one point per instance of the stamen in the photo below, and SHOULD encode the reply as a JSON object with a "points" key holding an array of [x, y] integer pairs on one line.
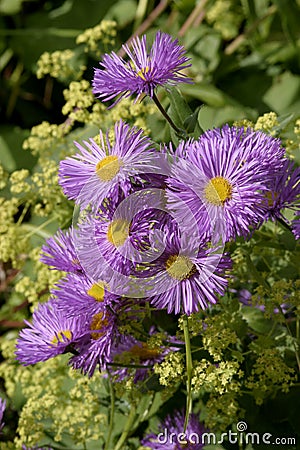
{"points": [[217, 191], [98, 323], [118, 232], [180, 267], [97, 291], [62, 336], [141, 73], [108, 167]]}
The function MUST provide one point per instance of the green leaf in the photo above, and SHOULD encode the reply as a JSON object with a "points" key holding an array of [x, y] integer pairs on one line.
{"points": [[256, 320], [10, 7], [13, 157], [180, 108]]}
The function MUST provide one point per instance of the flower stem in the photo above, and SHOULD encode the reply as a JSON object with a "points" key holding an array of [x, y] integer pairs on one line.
{"points": [[284, 224], [127, 428], [112, 413], [189, 369], [166, 115]]}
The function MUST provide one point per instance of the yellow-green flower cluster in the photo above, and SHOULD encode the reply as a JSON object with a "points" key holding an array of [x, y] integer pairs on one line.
{"points": [[55, 394], [19, 182], [217, 378], [267, 123], [3, 177], [78, 98], [60, 64], [221, 412], [217, 336], [36, 288], [45, 138], [104, 33], [275, 300], [14, 243], [226, 17], [135, 113], [269, 374], [171, 370]]}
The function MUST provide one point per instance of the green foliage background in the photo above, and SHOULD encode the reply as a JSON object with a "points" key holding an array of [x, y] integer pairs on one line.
{"points": [[245, 65]]}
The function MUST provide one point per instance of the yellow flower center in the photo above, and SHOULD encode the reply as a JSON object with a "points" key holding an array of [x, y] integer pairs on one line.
{"points": [[271, 198], [217, 191], [97, 291], [108, 167], [141, 73], [118, 232], [144, 352], [180, 267], [62, 336], [98, 322]]}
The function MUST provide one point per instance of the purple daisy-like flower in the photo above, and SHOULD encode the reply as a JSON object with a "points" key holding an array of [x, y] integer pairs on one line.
{"points": [[35, 448], [296, 225], [98, 171], [187, 276], [2, 409], [60, 253], [284, 191], [172, 437], [144, 71], [49, 334], [96, 352], [80, 295], [121, 236], [221, 178]]}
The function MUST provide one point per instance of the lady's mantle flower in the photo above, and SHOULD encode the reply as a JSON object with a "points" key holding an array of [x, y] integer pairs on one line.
{"points": [[144, 71], [49, 334], [171, 435], [98, 171], [223, 178]]}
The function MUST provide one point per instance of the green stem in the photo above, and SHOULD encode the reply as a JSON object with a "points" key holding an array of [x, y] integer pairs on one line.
{"points": [[189, 369], [111, 415], [166, 115], [284, 224], [127, 428], [291, 334], [32, 229]]}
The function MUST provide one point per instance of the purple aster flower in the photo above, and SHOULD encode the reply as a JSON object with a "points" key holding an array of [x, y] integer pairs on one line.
{"points": [[49, 334], [2, 409], [221, 179], [187, 276], [80, 295], [122, 236], [144, 71], [60, 253], [172, 437], [296, 225], [99, 171], [96, 351], [284, 191], [35, 448], [104, 336]]}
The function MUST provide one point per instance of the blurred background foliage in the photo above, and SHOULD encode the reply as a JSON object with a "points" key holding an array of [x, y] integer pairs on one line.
{"points": [[245, 63]]}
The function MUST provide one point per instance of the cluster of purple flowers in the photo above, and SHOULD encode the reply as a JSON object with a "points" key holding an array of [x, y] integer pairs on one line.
{"points": [[153, 222]]}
